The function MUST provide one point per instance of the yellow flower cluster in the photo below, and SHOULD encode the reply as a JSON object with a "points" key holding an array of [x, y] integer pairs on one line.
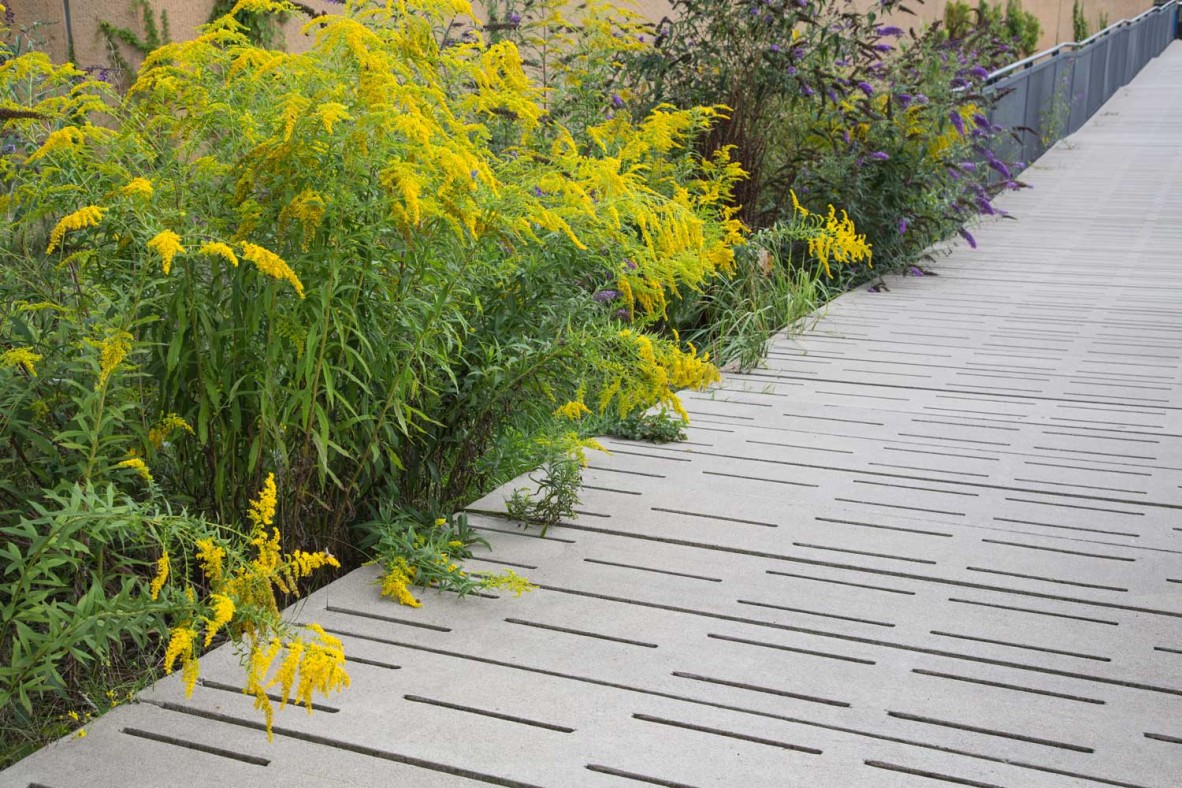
{"points": [[272, 265], [180, 648], [575, 409], [833, 238], [139, 466], [162, 567], [138, 187], [211, 557], [165, 427], [21, 357], [89, 216], [243, 605], [219, 249], [69, 138], [653, 371], [396, 583], [223, 613], [167, 244], [839, 241], [309, 666], [112, 350], [509, 581], [308, 209]]}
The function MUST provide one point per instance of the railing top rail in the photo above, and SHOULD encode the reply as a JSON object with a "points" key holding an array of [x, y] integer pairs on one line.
{"points": [[1057, 48]]}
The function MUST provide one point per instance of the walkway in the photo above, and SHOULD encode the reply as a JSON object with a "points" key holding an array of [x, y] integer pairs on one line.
{"points": [[937, 540]]}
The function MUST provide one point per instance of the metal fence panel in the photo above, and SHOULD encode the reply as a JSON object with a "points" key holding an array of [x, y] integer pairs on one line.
{"points": [[1053, 93]]}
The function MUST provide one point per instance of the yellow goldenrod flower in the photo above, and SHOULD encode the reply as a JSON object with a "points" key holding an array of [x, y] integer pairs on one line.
{"points": [[262, 509], [223, 613], [322, 667], [112, 351], [288, 671], [218, 249], [331, 112], [210, 557], [303, 564], [21, 357], [180, 647], [88, 216], [509, 581], [69, 138], [272, 265], [168, 245], [139, 466], [165, 427], [575, 409], [396, 584], [138, 187], [161, 577], [258, 666]]}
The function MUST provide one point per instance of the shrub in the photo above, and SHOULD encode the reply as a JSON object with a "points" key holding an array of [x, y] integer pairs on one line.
{"points": [[373, 280], [839, 109]]}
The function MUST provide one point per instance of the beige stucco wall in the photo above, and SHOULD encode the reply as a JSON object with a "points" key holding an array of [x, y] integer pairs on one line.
{"points": [[186, 15]]}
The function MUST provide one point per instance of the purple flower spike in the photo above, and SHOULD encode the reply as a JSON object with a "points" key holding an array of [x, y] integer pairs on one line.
{"points": [[622, 314], [903, 225], [537, 190], [866, 88], [515, 19], [883, 47], [915, 270], [1001, 168], [617, 102], [775, 47], [890, 30], [979, 72], [603, 296], [904, 99], [968, 166], [965, 234], [879, 156], [921, 99], [981, 120], [957, 121], [807, 91]]}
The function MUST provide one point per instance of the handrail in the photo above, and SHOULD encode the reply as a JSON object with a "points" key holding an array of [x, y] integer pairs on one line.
{"points": [[1055, 50]]}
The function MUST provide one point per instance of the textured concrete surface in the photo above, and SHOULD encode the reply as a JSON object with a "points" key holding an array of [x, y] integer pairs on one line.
{"points": [[938, 539]]}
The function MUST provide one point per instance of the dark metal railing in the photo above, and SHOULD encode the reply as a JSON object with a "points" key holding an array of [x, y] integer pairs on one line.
{"points": [[1051, 94]]}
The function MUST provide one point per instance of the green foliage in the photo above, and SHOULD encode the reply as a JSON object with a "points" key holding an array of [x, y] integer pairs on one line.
{"points": [[1079, 22], [1012, 24], [554, 497], [364, 279], [260, 27], [1022, 27], [837, 108], [656, 427], [773, 287], [156, 32]]}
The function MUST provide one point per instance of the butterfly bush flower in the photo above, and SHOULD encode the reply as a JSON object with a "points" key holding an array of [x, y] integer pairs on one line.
{"points": [[879, 156], [979, 72], [903, 225], [957, 121], [965, 234], [890, 30], [603, 296]]}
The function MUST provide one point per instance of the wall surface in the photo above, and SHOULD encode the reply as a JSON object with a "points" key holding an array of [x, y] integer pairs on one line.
{"points": [[90, 48]]}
